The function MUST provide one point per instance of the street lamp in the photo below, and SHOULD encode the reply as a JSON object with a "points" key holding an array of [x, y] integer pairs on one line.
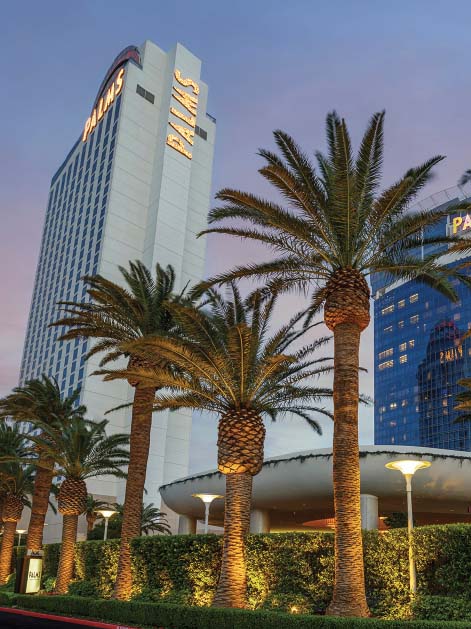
{"points": [[207, 499], [106, 514], [20, 533], [408, 468]]}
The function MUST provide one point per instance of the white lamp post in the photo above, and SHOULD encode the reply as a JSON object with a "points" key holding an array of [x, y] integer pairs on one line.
{"points": [[20, 533], [106, 513], [207, 499], [408, 468]]}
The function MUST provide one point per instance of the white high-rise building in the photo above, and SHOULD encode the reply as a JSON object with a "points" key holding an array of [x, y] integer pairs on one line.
{"points": [[135, 186]]}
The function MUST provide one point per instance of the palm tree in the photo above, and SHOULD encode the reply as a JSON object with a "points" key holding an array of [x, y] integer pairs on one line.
{"points": [[332, 230], [465, 178], [92, 509], [227, 363], [83, 451], [153, 520], [117, 315], [14, 447], [40, 402], [17, 482]]}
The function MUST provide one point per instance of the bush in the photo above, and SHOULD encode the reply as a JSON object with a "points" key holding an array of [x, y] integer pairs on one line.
{"points": [[441, 608], [179, 617], [82, 588], [285, 570]]}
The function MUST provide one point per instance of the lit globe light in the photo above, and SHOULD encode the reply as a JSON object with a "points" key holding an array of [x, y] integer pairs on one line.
{"points": [[408, 467], [106, 513], [207, 499]]}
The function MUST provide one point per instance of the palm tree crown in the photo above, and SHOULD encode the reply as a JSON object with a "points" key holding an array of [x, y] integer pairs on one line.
{"points": [[118, 314], [83, 450], [227, 360], [39, 403], [334, 218]]}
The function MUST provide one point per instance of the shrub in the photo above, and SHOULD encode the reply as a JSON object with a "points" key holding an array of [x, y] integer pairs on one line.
{"points": [[285, 570], [441, 608], [180, 617], [82, 588]]}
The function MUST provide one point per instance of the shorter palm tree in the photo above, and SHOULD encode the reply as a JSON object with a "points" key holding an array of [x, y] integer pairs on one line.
{"points": [[92, 510], [226, 362], [17, 481], [40, 402], [83, 451], [152, 521]]}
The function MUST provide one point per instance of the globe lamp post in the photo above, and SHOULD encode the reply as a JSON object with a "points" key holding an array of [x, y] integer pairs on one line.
{"points": [[408, 468], [207, 499], [106, 514]]}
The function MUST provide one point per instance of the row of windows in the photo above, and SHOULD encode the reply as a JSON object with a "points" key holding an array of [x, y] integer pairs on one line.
{"points": [[390, 351], [400, 304]]}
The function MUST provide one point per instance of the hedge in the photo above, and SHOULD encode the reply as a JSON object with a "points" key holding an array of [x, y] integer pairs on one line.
{"points": [[285, 570], [184, 617]]}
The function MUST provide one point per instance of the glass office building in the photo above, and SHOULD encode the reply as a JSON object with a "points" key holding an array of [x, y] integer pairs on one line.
{"points": [[135, 186], [420, 352]]}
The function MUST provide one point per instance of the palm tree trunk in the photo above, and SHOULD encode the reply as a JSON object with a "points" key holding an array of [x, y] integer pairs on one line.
{"points": [[349, 597], [138, 455], [66, 560], [232, 585], [6, 552], [39, 506]]}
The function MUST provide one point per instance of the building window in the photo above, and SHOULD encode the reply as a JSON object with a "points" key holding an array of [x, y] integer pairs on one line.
{"points": [[402, 347], [414, 319], [404, 403], [201, 132], [401, 303], [386, 353], [388, 329], [386, 365], [393, 405], [414, 298], [403, 359], [387, 310], [412, 343], [145, 94], [400, 324]]}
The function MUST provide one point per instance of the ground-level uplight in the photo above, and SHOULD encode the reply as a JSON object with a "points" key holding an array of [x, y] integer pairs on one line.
{"points": [[20, 532], [207, 499], [106, 514], [408, 468]]}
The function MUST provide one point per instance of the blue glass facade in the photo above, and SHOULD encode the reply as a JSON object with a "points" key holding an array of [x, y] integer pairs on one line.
{"points": [[420, 355], [70, 248]]}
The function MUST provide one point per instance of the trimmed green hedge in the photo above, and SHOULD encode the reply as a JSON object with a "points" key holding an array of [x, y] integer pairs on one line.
{"points": [[285, 570], [182, 617]]}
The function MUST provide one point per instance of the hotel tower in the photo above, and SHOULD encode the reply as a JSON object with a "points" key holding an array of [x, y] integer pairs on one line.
{"points": [[134, 186]]}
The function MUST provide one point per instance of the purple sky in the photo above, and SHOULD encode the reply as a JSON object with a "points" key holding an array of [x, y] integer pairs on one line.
{"points": [[269, 64]]}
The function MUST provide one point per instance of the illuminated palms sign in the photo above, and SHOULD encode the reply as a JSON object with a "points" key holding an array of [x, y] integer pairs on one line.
{"points": [[186, 112]]}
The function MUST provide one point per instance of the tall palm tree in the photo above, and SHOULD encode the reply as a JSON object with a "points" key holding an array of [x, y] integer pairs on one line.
{"points": [[92, 509], [116, 315], [17, 481], [40, 402], [228, 363], [332, 229], [83, 451]]}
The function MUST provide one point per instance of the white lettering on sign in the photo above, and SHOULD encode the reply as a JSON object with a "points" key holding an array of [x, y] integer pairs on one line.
{"points": [[33, 581], [189, 102]]}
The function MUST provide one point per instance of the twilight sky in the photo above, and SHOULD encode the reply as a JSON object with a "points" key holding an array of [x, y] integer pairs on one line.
{"points": [[269, 64]]}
